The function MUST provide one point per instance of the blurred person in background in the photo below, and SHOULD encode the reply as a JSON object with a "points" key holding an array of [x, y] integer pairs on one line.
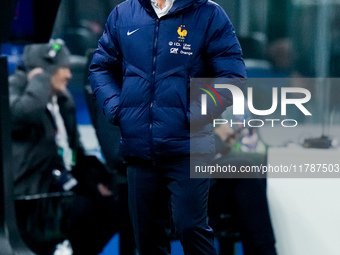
{"points": [[281, 56], [50, 158], [243, 196]]}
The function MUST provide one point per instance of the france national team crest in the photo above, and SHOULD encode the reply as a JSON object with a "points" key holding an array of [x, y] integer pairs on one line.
{"points": [[182, 32], [181, 47]]}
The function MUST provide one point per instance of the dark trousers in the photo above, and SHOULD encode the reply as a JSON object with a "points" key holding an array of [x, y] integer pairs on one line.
{"points": [[155, 189]]}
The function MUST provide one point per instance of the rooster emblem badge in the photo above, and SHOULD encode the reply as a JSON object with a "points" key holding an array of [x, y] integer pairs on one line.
{"points": [[182, 33]]}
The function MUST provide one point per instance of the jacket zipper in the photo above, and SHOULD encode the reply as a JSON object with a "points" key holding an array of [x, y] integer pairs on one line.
{"points": [[153, 79]]}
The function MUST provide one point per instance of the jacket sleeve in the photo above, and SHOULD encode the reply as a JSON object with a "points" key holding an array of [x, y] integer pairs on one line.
{"points": [[223, 59], [28, 100], [106, 70]]}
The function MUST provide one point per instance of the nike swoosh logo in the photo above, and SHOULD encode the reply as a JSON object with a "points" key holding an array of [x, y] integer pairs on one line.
{"points": [[130, 33]]}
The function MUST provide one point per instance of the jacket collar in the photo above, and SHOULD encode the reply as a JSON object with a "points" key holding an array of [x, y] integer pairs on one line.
{"points": [[178, 6]]}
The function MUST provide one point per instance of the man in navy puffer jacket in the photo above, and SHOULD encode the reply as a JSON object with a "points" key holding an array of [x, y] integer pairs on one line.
{"points": [[140, 75]]}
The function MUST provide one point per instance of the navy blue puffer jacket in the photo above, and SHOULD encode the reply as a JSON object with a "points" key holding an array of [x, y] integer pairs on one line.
{"points": [[140, 73]]}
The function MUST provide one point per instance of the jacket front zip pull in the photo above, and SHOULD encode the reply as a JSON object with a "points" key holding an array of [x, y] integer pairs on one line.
{"points": [[153, 80]]}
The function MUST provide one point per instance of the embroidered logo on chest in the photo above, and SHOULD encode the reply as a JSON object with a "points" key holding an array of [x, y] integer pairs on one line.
{"points": [[179, 46]]}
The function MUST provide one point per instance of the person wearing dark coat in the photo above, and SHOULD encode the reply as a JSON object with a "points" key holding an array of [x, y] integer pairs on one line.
{"points": [[49, 158], [33, 125], [140, 76]]}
